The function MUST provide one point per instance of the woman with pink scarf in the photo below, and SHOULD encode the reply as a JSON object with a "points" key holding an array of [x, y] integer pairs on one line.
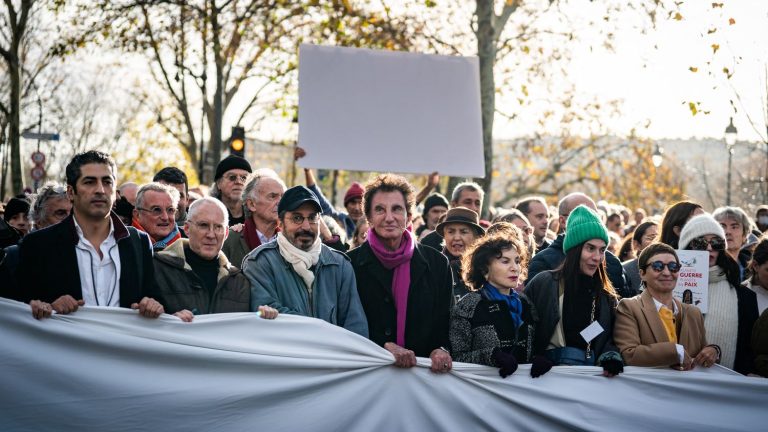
{"points": [[405, 288]]}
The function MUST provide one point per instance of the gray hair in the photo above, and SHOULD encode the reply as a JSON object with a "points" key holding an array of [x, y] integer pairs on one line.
{"points": [[252, 184], [735, 213], [49, 191], [461, 187], [157, 187], [195, 208]]}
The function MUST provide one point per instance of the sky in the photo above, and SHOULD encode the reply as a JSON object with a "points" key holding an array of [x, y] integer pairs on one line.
{"points": [[651, 74]]}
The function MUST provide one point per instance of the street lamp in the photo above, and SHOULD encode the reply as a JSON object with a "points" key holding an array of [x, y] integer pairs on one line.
{"points": [[658, 156], [730, 141]]}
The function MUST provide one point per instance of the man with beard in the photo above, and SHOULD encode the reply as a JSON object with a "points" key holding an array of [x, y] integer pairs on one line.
{"points": [[298, 274]]}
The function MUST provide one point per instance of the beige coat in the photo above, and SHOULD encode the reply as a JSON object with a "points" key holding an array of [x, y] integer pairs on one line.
{"points": [[642, 340]]}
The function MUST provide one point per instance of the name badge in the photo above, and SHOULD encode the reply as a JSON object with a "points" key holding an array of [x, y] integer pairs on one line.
{"points": [[592, 331]]}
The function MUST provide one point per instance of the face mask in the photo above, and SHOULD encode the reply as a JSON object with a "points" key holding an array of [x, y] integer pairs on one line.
{"points": [[762, 220]]}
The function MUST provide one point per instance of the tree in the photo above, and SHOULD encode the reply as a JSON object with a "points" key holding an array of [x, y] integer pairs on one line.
{"points": [[228, 61]]}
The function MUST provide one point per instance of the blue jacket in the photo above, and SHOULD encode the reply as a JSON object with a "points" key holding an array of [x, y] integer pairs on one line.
{"points": [[325, 205], [334, 292]]}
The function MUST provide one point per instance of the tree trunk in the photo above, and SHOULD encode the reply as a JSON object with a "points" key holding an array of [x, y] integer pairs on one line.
{"points": [[14, 133], [486, 51], [218, 96]]}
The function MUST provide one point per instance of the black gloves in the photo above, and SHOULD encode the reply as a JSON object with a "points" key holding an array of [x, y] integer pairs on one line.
{"points": [[506, 362], [611, 362], [540, 365]]}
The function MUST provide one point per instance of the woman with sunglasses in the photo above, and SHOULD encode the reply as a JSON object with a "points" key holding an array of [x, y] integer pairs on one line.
{"points": [[726, 297], [655, 329]]}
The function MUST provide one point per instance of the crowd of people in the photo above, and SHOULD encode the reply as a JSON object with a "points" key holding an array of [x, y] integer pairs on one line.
{"points": [[576, 282]]}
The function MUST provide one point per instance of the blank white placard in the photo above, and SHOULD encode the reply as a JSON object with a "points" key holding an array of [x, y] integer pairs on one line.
{"points": [[369, 110]]}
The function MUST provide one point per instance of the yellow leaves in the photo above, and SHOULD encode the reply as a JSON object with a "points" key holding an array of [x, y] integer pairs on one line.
{"points": [[717, 5], [692, 107], [524, 89], [526, 49], [495, 173], [693, 69], [715, 47], [727, 72], [710, 31], [731, 21], [678, 16]]}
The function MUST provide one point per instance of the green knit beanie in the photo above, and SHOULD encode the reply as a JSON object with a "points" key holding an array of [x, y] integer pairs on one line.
{"points": [[583, 225]]}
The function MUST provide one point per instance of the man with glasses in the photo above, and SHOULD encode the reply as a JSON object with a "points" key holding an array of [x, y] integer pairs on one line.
{"points": [[155, 214], [297, 274], [193, 277], [228, 183]]}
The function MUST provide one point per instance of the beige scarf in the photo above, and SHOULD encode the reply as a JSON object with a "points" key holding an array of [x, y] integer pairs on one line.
{"points": [[301, 260]]}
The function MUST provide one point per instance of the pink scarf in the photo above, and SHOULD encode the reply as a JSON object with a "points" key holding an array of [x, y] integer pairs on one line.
{"points": [[400, 260]]}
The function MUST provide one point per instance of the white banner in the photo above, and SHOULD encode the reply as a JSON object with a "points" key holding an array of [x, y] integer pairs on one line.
{"points": [[389, 111], [105, 369]]}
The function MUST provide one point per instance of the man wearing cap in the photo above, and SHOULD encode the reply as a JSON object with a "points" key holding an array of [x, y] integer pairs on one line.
{"points": [[435, 206], [353, 199], [459, 229], [297, 274], [228, 183]]}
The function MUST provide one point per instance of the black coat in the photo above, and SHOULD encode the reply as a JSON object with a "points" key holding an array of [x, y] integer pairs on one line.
{"points": [[747, 316], [430, 298], [48, 266]]}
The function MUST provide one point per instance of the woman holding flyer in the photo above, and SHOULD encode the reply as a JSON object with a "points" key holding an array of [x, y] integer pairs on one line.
{"points": [[726, 297], [656, 329]]}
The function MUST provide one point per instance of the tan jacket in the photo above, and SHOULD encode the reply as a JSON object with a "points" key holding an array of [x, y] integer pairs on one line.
{"points": [[642, 340]]}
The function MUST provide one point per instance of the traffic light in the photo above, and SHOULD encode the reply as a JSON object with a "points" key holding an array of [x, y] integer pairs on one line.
{"points": [[237, 141]]}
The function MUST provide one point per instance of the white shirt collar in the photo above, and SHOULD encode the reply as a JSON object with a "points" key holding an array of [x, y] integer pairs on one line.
{"points": [[659, 305], [80, 230]]}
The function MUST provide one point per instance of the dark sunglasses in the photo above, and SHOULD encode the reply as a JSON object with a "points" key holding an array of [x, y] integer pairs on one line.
{"points": [[658, 266], [700, 243]]}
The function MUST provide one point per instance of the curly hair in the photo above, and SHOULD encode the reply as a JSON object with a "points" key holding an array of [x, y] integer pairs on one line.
{"points": [[388, 183], [477, 258]]}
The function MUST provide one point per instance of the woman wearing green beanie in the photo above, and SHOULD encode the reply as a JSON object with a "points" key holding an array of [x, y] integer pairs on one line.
{"points": [[576, 302]]}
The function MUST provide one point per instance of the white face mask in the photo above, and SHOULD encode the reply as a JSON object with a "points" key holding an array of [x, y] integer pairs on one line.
{"points": [[762, 220]]}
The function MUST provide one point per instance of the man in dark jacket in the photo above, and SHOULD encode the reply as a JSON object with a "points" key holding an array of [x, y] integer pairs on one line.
{"points": [[193, 276], [405, 288], [551, 257], [90, 258]]}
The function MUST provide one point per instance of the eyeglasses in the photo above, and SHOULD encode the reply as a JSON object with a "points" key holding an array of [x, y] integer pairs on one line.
{"points": [[233, 177], [158, 211], [700, 243], [658, 266], [298, 219], [218, 229]]}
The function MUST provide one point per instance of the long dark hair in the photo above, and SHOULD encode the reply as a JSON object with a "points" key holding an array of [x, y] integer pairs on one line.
{"points": [[676, 215], [730, 267], [759, 257], [571, 268]]}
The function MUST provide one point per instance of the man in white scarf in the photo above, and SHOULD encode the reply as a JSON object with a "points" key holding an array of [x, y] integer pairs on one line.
{"points": [[298, 274]]}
